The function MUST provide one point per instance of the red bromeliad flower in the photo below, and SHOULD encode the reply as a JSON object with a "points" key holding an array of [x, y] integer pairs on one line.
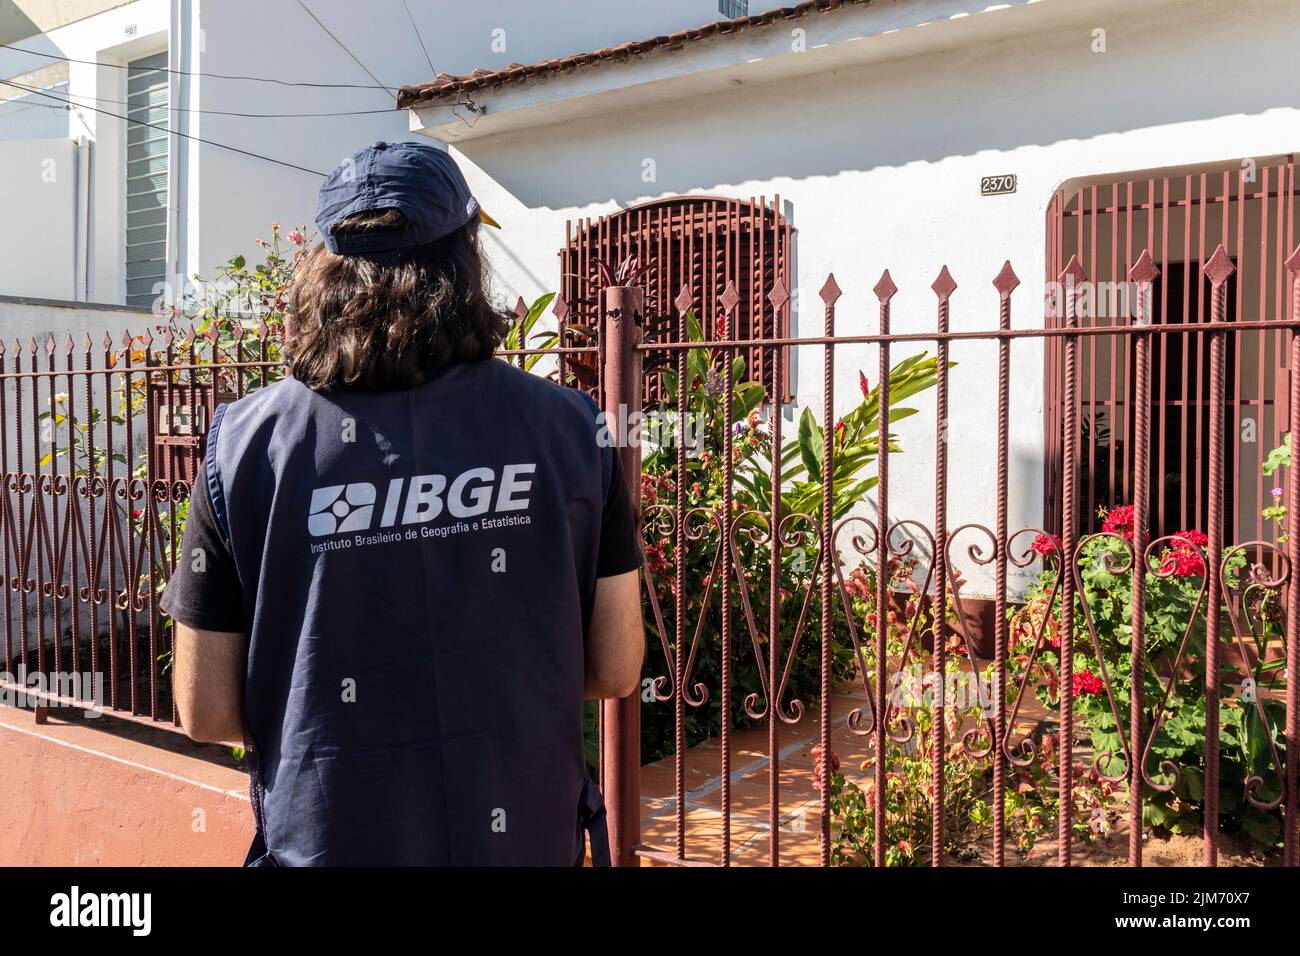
{"points": [[1087, 683], [862, 384]]}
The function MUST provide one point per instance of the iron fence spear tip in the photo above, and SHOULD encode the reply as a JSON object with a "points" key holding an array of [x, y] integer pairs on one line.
{"points": [[684, 299], [1006, 280], [1073, 272], [779, 295], [830, 290], [884, 287], [1219, 267], [1144, 270], [560, 308], [944, 285], [730, 296]]}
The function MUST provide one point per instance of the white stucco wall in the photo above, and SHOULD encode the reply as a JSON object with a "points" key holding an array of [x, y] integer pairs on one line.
{"points": [[38, 192], [880, 165]]}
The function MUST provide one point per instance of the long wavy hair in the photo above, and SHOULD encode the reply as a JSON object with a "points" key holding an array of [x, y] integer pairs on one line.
{"points": [[391, 321]]}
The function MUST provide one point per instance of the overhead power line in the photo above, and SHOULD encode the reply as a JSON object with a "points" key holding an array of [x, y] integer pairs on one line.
{"points": [[428, 59], [356, 59], [218, 76], [73, 98], [164, 129]]}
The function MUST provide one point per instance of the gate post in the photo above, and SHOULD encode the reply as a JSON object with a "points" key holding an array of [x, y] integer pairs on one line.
{"points": [[620, 735]]}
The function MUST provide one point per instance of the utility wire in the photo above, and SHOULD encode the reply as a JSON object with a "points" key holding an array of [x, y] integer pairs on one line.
{"points": [[432, 70], [345, 49], [217, 76], [163, 129], [74, 97]]}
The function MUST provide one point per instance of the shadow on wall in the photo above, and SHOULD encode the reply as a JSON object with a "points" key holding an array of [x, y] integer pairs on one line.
{"points": [[997, 96]]}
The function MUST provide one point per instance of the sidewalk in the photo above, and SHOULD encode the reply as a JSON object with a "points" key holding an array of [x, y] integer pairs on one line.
{"points": [[800, 804]]}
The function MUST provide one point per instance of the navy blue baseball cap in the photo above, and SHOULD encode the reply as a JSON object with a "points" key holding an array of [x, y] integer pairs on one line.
{"points": [[418, 179]]}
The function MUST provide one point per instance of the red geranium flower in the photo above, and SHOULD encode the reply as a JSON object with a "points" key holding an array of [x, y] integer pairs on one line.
{"points": [[1185, 559], [1120, 520], [1047, 544], [1087, 683]]}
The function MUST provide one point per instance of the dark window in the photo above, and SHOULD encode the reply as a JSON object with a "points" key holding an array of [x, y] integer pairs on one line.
{"points": [[1180, 216]]}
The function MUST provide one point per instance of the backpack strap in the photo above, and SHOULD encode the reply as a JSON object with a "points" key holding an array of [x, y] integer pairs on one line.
{"points": [[591, 814], [215, 493]]}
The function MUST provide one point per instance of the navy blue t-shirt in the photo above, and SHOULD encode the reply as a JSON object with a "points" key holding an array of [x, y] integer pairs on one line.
{"points": [[416, 572]]}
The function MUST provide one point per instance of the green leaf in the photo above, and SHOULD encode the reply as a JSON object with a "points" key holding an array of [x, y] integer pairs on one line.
{"points": [[810, 442]]}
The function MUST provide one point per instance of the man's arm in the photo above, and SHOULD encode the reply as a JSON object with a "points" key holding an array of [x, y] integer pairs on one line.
{"points": [[208, 681], [616, 639]]}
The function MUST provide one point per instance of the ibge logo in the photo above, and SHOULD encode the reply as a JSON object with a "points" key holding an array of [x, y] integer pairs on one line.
{"points": [[340, 508], [344, 509]]}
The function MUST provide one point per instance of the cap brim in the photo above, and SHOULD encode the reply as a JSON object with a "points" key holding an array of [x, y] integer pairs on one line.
{"points": [[487, 220]]}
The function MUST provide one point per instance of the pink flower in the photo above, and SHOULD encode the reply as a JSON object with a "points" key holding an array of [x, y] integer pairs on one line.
{"points": [[296, 237]]}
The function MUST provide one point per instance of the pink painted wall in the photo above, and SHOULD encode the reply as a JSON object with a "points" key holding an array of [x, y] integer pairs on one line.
{"points": [[106, 792]]}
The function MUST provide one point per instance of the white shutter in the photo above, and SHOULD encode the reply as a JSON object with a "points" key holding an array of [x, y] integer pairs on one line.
{"points": [[146, 178]]}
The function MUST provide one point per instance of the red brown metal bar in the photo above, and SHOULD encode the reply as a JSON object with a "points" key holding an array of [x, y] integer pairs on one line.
{"points": [[830, 293], [1005, 282], [730, 299], [939, 612], [1071, 279], [679, 594], [621, 719], [1291, 838], [778, 297], [884, 292], [1217, 270], [1143, 272], [6, 518]]}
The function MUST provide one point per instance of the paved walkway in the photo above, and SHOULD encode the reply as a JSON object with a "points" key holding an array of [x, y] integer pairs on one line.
{"points": [[750, 827]]}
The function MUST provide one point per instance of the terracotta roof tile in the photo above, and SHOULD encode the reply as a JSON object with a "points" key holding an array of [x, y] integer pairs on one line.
{"points": [[446, 85]]}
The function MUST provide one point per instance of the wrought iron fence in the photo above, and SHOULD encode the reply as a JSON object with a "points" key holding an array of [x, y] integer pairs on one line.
{"points": [[99, 440], [1230, 648]]}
